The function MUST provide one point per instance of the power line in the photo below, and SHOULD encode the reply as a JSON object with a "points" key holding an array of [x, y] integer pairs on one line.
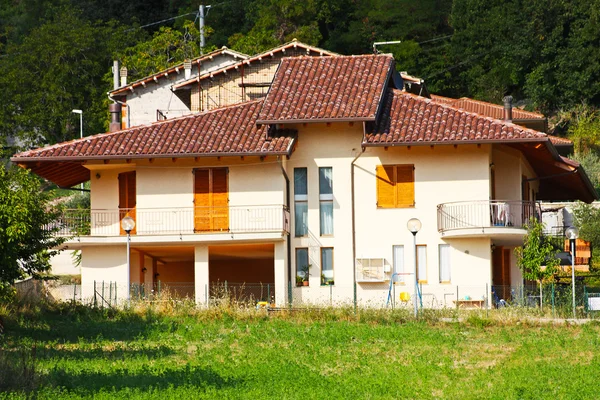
{"points": [[160, 22], [436, 39]]}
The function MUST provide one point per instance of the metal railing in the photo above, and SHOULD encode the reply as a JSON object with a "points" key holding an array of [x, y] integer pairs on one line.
{"points": [[183, 220], [486, 214]]}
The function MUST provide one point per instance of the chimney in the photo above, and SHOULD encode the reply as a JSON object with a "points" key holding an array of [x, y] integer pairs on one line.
{"points": [[115, 71], [123, 76], [187, 66], [508, 108], [115, 117]]}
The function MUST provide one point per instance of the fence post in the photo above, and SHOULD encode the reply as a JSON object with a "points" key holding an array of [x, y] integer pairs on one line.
{"points": [[95, 299], [487, 296], [269, 293], [553, 303], [355, 298], [115, 293], [457, 299], [290, 296], [330, 295], [206, 294], [74, 293], [103, 298], [158, 287], [110, 293]]}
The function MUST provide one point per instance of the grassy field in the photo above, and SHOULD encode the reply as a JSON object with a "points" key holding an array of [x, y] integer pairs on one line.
{"points": [[245, 354]]}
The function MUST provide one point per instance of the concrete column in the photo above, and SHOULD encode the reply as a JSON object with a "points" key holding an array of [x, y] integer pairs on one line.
{"points": [[281, 274], [201, 274]]}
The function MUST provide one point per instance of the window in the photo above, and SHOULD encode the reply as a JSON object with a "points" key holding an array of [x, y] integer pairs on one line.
{"points": [[399, 264], [422, 263], [302, 263], [326, 200], [300, 202], [395, 186], [444, 263], [326, 265]]}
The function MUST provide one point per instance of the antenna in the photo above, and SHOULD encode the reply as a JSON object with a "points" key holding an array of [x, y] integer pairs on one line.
{"points": [[201, 25], [375, 44]]}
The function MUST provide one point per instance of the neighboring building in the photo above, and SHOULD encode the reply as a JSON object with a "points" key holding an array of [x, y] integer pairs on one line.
{"points": [[222, 77], [325, 171], [248, 79], [151, 98]]}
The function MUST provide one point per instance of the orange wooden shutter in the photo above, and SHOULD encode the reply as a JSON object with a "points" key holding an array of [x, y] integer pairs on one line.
{"points": [[386, 186], [127, 199], [220, 199], [201, 200], [405, 186]]}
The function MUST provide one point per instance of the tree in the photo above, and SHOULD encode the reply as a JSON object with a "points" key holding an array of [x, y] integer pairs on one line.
{"points": [[27, 239], [537, 258], [587, 219]]}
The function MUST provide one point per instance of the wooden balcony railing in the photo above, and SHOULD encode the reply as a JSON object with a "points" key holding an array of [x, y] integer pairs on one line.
{"points": [[171, 221], [486, 214]]}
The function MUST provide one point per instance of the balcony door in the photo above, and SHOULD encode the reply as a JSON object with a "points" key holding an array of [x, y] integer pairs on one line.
{"points": [[211, 200], [127, 198], [501, 272]]}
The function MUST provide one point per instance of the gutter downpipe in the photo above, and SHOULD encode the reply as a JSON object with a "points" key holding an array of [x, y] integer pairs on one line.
{"points": [[354, 220], [289, 242], [123, 104]]}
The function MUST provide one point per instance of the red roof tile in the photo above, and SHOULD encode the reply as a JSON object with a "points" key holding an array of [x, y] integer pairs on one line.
{"points": [[226, 131], [322, 89], [558, 141], [410, 119], [485, 108]]}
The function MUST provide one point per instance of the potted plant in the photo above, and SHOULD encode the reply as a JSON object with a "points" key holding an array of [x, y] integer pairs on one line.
{"points": [[305, 269], [299, 280]]}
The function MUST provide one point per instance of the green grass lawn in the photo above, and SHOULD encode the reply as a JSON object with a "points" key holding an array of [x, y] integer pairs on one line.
{"points": [[315, 355]]}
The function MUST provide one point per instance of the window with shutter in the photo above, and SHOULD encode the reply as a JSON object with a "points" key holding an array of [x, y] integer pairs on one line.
{"points": [[127, 201], [395, 186], [211, 200]]}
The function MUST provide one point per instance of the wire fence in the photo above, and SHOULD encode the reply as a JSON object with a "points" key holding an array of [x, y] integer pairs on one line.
{"points": [[554, 300]]}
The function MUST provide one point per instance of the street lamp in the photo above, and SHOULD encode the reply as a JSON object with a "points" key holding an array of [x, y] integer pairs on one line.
{"points": [[572, 233], [414, 226], [80, 127], [128, 224]]}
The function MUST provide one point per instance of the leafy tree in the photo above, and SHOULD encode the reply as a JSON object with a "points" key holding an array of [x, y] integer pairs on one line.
{"points": [[587, 219], [537, 258], [27, 240]]}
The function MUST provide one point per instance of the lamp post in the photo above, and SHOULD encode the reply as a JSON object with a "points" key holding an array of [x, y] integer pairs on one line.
{"points": [[572, 233], [414, 226], [80, 112], [128, 224]]}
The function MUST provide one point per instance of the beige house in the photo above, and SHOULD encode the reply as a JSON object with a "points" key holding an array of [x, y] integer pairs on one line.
{"points": [[325, 171]]}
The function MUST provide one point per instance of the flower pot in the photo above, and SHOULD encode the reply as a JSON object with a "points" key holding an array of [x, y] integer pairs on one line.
{"points": [[305, 283]]}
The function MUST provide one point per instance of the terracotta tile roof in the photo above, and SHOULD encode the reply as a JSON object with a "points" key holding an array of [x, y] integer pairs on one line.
{"points": [[226, 131], [410, 119], [322, 89], [485, 108], [558, 141], [177, 68], [294, 44]]}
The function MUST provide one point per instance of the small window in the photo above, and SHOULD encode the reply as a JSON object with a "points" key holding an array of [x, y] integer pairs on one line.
{"points": [[302, 266], [395, 186], [444, 263], [326, 265], [399, 264], [300, 202], [326, 200], [422, 263]]}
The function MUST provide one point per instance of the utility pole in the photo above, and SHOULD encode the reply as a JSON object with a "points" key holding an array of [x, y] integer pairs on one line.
{"points": [[201, 10]]}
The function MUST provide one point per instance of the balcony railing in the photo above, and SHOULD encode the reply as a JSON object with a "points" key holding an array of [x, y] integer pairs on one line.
{"points": [[486, 214], [171, 221]]}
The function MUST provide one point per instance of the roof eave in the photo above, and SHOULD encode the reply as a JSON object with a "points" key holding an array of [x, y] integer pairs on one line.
{"points": [[312, 120], [452, 142]]}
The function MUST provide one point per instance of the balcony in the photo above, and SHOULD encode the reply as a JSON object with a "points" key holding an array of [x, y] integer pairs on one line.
{"points": [[501, 219], [195, 221]]}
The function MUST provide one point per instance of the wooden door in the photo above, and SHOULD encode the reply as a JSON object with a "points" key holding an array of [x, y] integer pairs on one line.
{"points": [[211, 200], [501, 272], [127, 200]]}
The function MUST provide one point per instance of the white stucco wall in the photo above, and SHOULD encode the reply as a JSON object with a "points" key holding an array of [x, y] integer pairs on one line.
{"points": [[104, 264]]}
